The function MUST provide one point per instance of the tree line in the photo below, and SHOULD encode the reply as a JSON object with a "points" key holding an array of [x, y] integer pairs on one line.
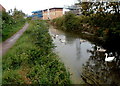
{"points": [[102, 7]]}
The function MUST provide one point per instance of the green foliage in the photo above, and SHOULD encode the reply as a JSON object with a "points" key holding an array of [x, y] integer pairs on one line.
{"points": [[95, 23], [0, 26], [34, 49], [104, 20], [12, 77], [29, 19], [49, 71], [69, 22], [86, 8], [11, 23], [59, 22], [103, 26], [101, 7]]}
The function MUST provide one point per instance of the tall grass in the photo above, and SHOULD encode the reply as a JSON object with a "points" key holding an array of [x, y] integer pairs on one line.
{"points": [[10, 25], [31, 60], [9, 30]]}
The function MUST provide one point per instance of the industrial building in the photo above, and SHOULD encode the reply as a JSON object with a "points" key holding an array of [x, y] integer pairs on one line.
{"points": [[37, 14], [49, 14], [52, 13]]}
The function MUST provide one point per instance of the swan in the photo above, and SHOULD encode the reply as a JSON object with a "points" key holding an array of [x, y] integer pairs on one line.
{"points": [[54, 36], [62, 40], [100, 49], [109, 59], [82, 40]]}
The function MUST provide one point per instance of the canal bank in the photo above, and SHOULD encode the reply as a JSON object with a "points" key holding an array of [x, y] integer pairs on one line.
{"points": [[85, 63], [103, 27], [31, 59]]}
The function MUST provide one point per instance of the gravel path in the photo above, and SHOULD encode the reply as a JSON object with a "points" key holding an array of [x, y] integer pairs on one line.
{"points": [[4, 47]]}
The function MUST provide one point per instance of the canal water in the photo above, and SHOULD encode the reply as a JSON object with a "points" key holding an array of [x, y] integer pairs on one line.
{"points": [[83, 61]]}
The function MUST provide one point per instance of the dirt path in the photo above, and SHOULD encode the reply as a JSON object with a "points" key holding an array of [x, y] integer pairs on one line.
{"points": [[4, 47]]}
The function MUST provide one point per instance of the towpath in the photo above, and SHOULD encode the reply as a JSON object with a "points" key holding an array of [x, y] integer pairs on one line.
{"points": [[4, 47]]}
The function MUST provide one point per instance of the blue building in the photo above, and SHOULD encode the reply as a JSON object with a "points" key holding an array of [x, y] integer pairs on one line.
{"points": [[37, 14]]}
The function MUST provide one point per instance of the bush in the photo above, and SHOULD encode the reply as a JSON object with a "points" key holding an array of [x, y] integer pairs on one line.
{"points": [[10, 25], [69, 22], [59, 23], [12, 77]]}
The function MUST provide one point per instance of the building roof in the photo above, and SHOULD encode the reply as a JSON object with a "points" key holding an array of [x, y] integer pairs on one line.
{"points": [[37, 11], [45, 9], [56, 8]]}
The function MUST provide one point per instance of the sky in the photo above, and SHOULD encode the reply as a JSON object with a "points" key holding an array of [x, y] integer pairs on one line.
{"points": [[27, 6]]}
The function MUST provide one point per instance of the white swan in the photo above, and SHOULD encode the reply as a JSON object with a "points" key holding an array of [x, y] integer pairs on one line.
{"points": [[54, 36], [81, 40], [100, 49], [109, 59], [62, 41]]}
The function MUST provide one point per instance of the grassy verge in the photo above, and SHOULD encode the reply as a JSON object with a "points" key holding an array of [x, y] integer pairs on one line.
{"points": [[31, 60], [10, 30], [10, 23]]}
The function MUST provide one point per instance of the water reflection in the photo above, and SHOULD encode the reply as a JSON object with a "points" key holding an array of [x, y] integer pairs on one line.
{"points": [[78, 48], [85, 63], [97, 71]]}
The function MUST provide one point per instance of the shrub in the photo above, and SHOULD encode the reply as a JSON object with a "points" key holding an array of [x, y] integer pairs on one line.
{"points": [[10, 25], [12, 77]]}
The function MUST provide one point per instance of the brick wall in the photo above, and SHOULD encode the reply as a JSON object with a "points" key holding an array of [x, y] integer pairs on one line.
{"points": [[56, 12], [45, 14], [52, 13], [2, 8]]}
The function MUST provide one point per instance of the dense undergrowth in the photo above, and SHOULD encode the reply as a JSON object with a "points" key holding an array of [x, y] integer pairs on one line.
{"points": [[97, 24], [32, 61], [11, 24]]}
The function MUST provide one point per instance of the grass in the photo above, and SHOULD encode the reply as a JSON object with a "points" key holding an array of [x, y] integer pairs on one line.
{"points": [[11, 30], [32, 61]]}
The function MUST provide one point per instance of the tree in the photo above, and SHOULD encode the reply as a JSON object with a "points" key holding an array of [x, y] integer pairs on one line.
{"points": [[115, 7], [18, 14], [101, 7], [86, 7]]}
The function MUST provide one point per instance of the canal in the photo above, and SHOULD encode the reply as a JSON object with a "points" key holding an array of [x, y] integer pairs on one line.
{"points": [[82, 59]]}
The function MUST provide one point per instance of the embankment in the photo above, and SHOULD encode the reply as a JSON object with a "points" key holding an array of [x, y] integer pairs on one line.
{"points": [[32, 61]]}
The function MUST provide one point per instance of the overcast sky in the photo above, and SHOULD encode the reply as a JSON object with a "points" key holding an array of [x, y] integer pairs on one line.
{"points": [[28, 6]]}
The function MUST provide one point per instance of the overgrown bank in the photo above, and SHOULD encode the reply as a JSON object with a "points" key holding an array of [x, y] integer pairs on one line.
{"points": [[10, 24], [105, 26], [31, 60]]}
